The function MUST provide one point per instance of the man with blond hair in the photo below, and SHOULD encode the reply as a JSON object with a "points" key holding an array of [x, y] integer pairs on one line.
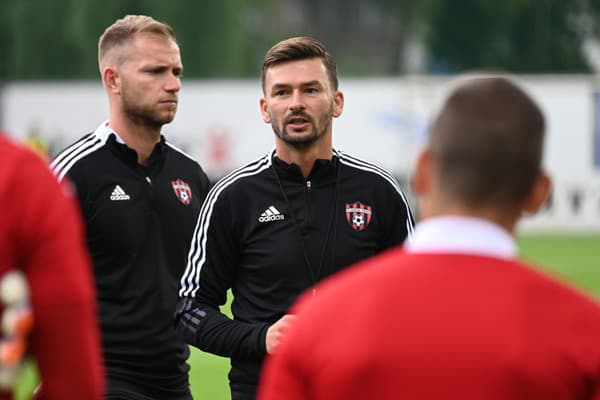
{"points": [[140, 196]]}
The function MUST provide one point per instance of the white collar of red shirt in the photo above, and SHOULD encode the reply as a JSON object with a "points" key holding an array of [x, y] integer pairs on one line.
{"points": [[465, 235]]}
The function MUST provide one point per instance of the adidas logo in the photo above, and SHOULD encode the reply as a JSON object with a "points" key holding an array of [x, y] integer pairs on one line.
{"points": [[119, 194], [271, 214]]}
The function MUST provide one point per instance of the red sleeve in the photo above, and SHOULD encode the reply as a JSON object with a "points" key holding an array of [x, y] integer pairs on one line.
{"points": [[283, 376], [65, 339], [281, 380]]}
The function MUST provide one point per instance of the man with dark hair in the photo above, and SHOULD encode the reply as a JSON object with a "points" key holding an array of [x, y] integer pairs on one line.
{"points": [[277, 226], [41, 235], [140, 196], [452, 314]]}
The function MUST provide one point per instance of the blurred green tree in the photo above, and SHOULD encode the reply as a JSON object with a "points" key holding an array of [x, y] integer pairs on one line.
{"points": [[522, 36], [57, 39], [40, 46]]}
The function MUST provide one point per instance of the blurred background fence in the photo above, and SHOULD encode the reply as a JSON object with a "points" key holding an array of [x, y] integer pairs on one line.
{"points": [[395, 58], [385, 120]]}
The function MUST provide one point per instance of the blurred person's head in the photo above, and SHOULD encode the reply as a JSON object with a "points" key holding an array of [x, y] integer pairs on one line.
{"points": [[301, 95], [484, 154], [140, 65]]}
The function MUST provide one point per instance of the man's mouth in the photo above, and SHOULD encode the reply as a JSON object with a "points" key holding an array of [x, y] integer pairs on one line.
{"points": [[298, 122], [169, 101], [171, 104]]}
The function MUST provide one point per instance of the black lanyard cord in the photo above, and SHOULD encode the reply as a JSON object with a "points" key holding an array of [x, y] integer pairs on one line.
{"points": [[332, 222]]}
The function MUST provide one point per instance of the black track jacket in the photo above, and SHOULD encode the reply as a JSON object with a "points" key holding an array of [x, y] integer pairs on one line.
{"points": [[269, 247], [139, 224]]}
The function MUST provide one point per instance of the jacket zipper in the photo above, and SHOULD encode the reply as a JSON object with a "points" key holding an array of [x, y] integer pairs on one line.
{"points": [[150, 186], [308, 190]]}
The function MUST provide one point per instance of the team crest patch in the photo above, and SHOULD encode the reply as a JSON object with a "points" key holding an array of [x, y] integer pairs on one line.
{"points": [[358, 215], [182, 191]]}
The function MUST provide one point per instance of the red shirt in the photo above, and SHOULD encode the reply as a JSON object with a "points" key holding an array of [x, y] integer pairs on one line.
{"points": [[41, 234], [432, 326]]}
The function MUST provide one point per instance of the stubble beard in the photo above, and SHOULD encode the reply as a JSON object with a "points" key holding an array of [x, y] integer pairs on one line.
{"points": [[306, 141], [143, 115]]}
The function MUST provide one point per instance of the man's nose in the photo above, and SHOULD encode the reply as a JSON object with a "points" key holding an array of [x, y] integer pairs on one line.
{"points": [[297, 101], [173, 83]]}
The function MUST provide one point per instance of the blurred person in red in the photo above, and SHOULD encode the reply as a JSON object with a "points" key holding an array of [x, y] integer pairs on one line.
{"points": [[453, 313], [41, 235]]}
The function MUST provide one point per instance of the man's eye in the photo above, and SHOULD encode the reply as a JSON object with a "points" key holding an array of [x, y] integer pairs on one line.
{"points": [[311, 90]]}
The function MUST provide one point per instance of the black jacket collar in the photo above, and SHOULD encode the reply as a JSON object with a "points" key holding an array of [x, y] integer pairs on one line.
{"points": [[322, 170], [129, 155]]}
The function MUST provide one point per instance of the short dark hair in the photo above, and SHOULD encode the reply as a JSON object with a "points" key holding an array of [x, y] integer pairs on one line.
{"points": [[487, 143], [300, 48]]}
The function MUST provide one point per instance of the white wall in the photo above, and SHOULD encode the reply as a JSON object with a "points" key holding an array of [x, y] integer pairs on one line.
{"points": [[384, 120]]}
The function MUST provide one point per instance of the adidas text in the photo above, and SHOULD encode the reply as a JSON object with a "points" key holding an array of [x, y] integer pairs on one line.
{"points": [[268, 218], [271, 214]]}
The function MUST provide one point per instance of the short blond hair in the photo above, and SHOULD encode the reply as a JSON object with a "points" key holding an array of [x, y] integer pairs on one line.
{"points": [[124, 29]]}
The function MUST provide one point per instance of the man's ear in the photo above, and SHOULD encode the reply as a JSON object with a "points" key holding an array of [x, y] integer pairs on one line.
{"points": [[338, 104], [111, 79], [422, 174], [264, 110], [538, 195]]}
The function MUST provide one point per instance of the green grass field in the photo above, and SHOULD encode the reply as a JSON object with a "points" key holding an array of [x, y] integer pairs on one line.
{"points": [[575, 259], [572, 258]]}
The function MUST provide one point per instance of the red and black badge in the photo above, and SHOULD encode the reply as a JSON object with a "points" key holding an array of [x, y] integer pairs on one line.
{"points": [[358, 215], [182, 191]]}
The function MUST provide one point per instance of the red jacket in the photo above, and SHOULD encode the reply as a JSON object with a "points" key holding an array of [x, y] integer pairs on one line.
{"points": [[41, 234], [434, 326]]}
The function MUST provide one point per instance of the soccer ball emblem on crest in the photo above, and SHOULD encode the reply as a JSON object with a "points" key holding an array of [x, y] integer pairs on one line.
{"points": [[358, 220], [358, 215]]}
